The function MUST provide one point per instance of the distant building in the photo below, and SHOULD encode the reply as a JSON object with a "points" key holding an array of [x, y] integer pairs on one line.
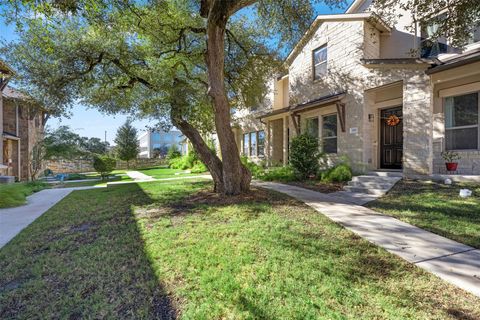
{"points": [[21, 127], [155, 144]]}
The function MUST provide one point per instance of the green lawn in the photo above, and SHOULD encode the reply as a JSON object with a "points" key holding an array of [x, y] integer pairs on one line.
{"points": [[163, 173], [149, 250], [15, 194], [112, 178], [435, 207]]}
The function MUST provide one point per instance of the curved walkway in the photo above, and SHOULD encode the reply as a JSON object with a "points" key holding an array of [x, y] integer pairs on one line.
{"points": [[454, 262]]}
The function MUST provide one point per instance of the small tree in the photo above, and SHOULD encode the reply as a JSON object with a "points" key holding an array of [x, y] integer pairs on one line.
{"points": [[37, 156], [173, 152], [304, 155], [104, 165], [127, 142]]}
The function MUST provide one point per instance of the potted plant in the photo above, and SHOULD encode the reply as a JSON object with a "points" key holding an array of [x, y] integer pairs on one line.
{"points": [[450, 157]]}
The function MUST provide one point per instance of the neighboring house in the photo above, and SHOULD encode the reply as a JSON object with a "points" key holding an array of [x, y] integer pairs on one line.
{"points": [[154, 144], [380, 94], [21, 127]]}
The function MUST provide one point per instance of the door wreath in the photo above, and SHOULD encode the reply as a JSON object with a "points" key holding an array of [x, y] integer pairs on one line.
{"points": [[393, 120]]}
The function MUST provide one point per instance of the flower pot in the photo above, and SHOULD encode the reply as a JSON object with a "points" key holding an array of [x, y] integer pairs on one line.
{"points": [[451, 166]]}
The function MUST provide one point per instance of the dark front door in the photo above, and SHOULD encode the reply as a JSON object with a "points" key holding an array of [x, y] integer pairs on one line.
{"points": [[391, 137]]}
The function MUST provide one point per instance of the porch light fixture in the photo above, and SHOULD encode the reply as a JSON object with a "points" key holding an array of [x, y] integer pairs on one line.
{"points": [[371, 116]]}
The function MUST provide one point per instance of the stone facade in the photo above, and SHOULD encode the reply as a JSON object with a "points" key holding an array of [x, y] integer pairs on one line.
{"points": [[86, 165], [375, 68], [22, 128]]}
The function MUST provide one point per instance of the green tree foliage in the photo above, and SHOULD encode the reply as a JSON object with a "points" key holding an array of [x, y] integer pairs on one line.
{"points": [[305, 155], [187, 62], [94, 145], [173, 152], [339, 173], [63, 143], [127, 142], [104, 165], [455, 20]]}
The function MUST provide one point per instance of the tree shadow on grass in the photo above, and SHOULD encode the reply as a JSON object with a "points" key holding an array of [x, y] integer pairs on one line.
{"points": [[84, 258]]}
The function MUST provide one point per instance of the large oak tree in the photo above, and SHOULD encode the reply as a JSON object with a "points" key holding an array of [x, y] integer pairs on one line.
{"points": [[188, 61]]}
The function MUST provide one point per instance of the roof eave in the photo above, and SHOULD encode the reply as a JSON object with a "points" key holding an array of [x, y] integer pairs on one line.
{"points": [[453, 64]]}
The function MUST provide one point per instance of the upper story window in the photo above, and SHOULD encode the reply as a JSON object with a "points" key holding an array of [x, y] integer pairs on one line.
{"points": [[461, 122], [431, 44], [474, 35], [329, 133], [320, 62]]}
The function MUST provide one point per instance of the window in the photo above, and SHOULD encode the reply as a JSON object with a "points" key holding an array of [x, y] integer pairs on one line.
{"points": [[461, 122], [431, 44], [329, 133], [319, 62], [312, 127], [253, 144], [474, 35], [261, 143], [246, 144]]}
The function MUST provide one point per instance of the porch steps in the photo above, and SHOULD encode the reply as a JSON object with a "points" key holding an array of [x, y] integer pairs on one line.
{"points": [[376, 183]]}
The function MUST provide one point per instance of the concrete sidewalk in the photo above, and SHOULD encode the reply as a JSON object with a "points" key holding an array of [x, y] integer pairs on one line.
{"points": [[14, 220], [138, 176], [454, 262]]}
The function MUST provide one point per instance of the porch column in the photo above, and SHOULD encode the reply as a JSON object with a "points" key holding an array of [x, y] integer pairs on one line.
{"points": [[417, 125], [268, 153], [1, 131], [285, 140]]}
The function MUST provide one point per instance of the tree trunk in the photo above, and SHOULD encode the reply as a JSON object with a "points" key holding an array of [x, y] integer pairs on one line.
{"points": [[206, 155], [236, 177]]}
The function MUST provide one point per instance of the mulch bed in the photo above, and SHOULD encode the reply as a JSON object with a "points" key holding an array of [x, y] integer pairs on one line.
{"points": [[318, 186]]}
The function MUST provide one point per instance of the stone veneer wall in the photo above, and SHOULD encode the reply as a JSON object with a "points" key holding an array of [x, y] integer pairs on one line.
{"points": [[417, 126], [86, 165], [468, 165]]}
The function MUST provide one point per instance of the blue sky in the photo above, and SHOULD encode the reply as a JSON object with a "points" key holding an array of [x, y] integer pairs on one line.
{"points": [[90, 122]]}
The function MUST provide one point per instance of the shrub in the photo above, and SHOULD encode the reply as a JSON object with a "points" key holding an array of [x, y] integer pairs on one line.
{"points": [[304, 155], [104, 165], [283, 174], [189, 161], [199, 167], [338, 173], [173, 153], [256, 170]]}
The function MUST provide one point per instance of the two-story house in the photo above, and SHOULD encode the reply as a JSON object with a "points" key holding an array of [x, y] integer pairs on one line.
{"points": [[23, 127], [380, 93], [154, 144]]}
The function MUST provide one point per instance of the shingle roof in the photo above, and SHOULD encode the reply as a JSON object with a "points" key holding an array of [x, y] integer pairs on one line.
{"points": [[11, 93], [460, 60]]}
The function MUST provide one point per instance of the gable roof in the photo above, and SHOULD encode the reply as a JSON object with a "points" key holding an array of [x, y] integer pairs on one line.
{"points": [[10, 93], [371, 17]]}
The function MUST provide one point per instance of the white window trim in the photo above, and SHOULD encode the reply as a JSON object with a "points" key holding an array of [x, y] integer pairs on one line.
{"points": [[462, 127]]}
